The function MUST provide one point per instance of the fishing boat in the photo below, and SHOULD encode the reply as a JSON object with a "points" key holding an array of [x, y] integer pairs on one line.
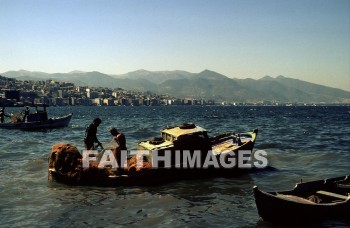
{"points": [[190, 138], [307, 202], [66, 163], [37, 121]]}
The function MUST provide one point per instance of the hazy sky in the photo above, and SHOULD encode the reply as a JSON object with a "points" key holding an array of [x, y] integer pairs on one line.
{"points": [[304, 39]]}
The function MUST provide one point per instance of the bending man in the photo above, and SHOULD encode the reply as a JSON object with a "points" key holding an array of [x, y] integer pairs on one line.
{"points": [[90, 135]]}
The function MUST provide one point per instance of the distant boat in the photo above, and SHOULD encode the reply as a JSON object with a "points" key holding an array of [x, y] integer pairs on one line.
{"points": [[307, 202], [36, 121]]}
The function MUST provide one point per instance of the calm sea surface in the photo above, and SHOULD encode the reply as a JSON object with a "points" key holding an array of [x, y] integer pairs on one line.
{"points": [[301, 142]]}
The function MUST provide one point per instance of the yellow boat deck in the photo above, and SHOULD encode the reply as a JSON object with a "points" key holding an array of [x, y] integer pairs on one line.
{"points": [[227, 145]]}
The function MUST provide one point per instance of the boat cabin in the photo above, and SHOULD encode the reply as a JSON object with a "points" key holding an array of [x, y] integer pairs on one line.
{"points": [[186, 136], [38, 116]]}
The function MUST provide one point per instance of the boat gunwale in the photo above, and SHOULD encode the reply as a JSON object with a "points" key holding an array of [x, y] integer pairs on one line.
{"points": [[284, 199]]}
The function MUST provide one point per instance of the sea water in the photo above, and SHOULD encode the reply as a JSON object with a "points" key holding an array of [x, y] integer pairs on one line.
{"points": [[305, 143]]}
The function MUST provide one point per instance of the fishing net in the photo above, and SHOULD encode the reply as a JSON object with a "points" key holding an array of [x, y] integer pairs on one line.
{"points": [[17, 117], [111, 145], [64, 158]]}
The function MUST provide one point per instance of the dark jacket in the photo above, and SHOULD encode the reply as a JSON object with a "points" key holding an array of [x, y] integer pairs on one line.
{"points": [[90, 134], [2, 115]]}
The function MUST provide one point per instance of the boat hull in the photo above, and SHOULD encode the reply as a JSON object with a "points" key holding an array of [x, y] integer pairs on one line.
{"points": [[47, 124], [292, 206], [147, 177]]}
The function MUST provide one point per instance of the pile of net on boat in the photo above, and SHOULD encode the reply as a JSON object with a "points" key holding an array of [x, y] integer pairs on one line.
{"points": [[17, 117], [66, 160]]}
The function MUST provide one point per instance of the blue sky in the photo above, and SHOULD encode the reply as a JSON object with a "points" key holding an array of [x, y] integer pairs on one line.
{"points": [[303, 39]]}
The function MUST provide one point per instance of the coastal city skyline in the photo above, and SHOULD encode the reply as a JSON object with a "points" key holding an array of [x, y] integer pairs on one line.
{"points": [[17, 93], [50, 92], [240, 39]]}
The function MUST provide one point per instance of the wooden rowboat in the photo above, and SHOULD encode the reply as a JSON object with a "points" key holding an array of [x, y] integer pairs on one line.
{"points": [[307, 202]]}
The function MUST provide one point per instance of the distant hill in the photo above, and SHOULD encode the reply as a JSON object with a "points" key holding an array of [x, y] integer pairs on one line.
{"points": [[207, 84], [92, 79], [312, 88], [26, 74], [156, 76], [204, 85]]}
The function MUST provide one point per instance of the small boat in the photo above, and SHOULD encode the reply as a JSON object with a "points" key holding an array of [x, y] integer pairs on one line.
{"points": [[66, 163], [308, 202], [192, 138], [37, 121]]}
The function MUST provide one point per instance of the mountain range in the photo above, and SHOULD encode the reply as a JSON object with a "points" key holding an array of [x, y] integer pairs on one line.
{"points": [[204, 85]]}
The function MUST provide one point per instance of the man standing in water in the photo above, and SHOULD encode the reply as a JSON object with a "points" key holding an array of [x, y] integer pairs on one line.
{"points": [[90, 135]]}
